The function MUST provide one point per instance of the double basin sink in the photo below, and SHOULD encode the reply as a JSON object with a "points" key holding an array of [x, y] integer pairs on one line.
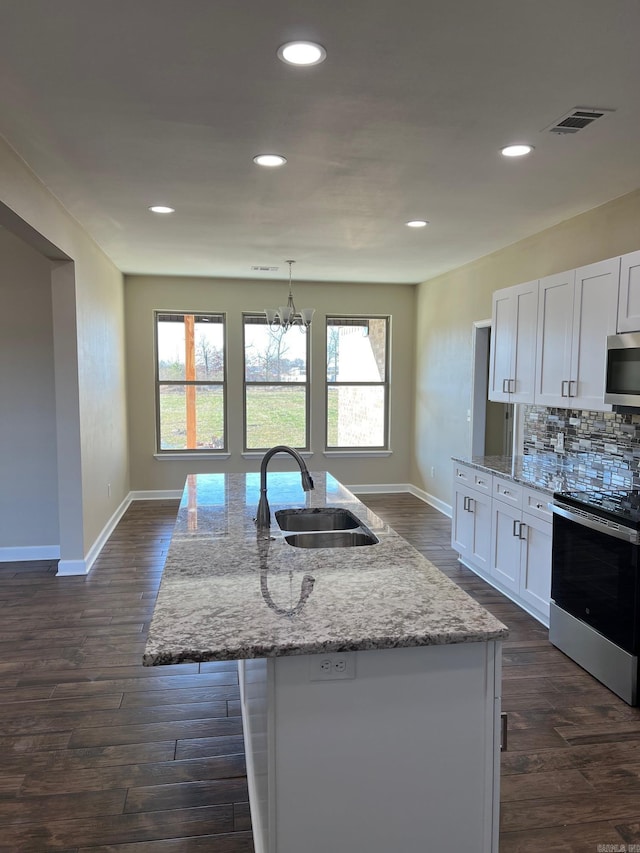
{"points": [[323, 527]]}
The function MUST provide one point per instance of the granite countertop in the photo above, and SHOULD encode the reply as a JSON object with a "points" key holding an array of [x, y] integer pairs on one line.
{"points": [[229, 593], [543, 471]]}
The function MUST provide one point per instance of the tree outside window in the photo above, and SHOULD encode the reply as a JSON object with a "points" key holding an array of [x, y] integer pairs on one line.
{"points": [[276, 385]]}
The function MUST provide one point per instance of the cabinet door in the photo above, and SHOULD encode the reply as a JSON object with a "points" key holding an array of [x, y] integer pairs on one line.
{"points": [[629, 293], [503, 332], [595, 309], [555, 326], [480, 510], [535, 569], [461, 523], [471, 526], [525, 297], [505, 545]]}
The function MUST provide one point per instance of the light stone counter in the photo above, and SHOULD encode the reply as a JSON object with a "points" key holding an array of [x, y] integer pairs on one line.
{"points": [[229, 593]]}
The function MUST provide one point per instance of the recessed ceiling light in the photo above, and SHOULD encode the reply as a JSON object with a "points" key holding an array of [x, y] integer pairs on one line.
{"points": [[302, 53], [161, 208], [417, 223], [270, 160], [517, 150]]}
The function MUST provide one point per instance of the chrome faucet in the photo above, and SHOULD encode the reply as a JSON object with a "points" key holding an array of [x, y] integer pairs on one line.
{"points": [[263, 516]]}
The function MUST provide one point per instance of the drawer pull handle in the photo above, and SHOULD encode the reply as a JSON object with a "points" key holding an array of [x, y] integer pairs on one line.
{"points": [[522, 526], [538, 506], [503, 731]]}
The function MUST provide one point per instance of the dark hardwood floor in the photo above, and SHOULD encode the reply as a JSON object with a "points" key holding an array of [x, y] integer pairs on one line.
{"points": [[98, 753]]}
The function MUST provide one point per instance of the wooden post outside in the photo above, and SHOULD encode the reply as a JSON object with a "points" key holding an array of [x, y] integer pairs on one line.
{"points": [[190, 375]]}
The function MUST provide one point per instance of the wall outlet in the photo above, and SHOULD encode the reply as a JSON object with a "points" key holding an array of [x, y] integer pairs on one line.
{"points": [[332, 667]]}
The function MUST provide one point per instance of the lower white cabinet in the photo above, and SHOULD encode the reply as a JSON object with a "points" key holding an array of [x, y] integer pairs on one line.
{"points": [[471, 527], [505, 538]]}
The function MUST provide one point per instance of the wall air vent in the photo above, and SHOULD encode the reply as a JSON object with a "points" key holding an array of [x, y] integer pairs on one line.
{"points": [[577, 119], [264, 269]]}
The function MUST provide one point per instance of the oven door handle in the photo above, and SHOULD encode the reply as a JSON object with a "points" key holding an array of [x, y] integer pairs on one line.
{"points": [[593, 523]]}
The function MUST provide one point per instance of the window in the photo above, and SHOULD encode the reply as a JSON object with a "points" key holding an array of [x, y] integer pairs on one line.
{"points": [[357, 382], [190, 382], [276, 385]]}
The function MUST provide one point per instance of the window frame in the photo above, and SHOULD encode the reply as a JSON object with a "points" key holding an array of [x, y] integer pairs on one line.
{"points": [[259, 318], [221, 383], [385, 384]]}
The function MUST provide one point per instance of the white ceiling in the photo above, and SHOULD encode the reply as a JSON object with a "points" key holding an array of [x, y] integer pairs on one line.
{"points": [[120, 104]]}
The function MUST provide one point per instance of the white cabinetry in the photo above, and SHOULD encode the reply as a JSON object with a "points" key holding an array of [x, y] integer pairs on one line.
{"points": [[471, 525], [506, 537], [629, 297], [513, 343], [576, 311]]}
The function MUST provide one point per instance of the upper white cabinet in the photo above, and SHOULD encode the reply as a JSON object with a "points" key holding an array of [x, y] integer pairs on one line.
{"points": [[512, 359], [629, 300], [576, 311]]}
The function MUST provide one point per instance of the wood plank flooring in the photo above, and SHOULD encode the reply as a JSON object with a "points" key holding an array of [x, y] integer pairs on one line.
{"points": [[98, 753]]}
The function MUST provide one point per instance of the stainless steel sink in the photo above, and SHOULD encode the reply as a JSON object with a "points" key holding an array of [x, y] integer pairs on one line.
{"points": [[316, 518], [332, 539]]}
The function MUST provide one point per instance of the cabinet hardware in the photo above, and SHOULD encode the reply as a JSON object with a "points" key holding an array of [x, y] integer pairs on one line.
{"points": [[471, 502], [516, 532], [503, 731], [512, 390], [522, 526], [465, 503], [562, 391], [481, 483], [505, 390], [572, 382]]}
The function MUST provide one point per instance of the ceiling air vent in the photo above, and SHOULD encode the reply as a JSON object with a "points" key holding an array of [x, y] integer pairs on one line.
{"points": [[577, 119], [264, 269]]}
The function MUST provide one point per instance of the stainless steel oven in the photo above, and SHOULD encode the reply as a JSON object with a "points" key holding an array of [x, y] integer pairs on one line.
{"points": [[595, 591]]}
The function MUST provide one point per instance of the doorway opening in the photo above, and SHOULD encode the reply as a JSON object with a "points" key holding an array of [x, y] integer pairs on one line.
{"points": [[492, 424]]}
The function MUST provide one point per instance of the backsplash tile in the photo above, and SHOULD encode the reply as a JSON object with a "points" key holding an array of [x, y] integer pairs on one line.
{"points": [[601, 449]]}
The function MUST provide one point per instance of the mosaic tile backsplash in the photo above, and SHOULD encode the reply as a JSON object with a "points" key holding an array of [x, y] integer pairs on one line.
{"points": [[596, 450]]}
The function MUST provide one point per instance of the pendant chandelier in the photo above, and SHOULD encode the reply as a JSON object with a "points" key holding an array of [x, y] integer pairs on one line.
{"points": [[287, 315]]}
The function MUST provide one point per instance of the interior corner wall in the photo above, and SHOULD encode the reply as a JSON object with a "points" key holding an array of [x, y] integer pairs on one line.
{"points": [[143, 294], [100, 454], [28, 459], [448, 305]]}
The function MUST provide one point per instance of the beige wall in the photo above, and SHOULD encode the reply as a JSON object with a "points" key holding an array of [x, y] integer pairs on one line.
{"points": [[87, 296], [143, 294], [447, 307], [29, 481]]}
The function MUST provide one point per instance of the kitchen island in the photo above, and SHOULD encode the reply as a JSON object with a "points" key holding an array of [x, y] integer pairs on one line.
{"points": [[370, 682]]}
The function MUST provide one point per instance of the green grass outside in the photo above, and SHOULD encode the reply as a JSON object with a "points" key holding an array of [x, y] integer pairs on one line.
{"points": [[273, 417]]}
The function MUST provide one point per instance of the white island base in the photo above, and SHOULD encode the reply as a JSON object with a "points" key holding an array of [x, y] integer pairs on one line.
{"points": [[403, 757]]}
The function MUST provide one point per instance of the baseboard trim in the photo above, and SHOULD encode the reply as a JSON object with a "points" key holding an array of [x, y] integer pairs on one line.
{"points": [[23, 554], [155, 495], [436, 503], [407, 488], [379, 488], [69, 568]]}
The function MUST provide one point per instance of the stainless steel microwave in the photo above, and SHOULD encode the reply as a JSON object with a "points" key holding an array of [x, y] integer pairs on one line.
{"points": [[622, 386]]}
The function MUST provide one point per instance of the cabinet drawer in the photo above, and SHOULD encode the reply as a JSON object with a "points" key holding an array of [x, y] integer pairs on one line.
{"points": [[507, 491], [537, 503], [481, 481]]}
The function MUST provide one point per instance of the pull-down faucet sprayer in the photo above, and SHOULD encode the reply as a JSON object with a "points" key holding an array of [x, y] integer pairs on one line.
{"points": [[263, 516]]}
